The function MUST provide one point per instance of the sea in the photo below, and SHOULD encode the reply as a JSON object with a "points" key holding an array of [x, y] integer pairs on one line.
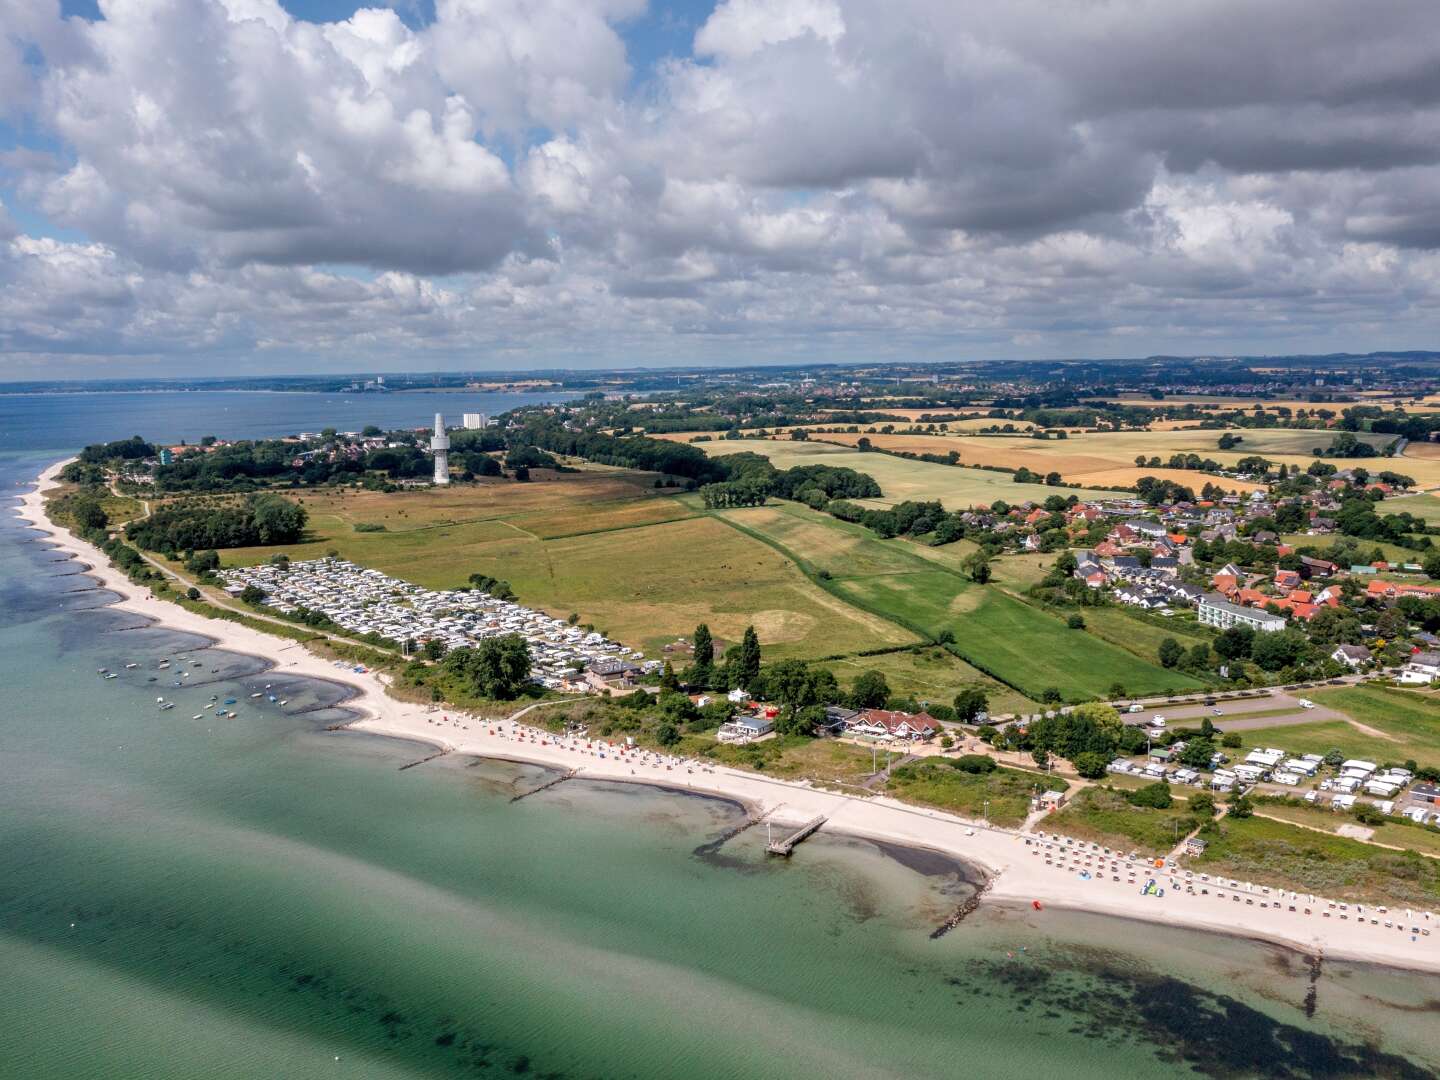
{"points": [[263, 897]]}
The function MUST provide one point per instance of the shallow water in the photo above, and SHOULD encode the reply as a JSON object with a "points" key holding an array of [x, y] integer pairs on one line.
{"points": [[261, 897]]}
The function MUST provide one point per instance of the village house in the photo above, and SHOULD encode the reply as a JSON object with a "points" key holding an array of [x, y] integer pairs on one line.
{"points": [[1423, 667], [887, 724], [1352, 656]]}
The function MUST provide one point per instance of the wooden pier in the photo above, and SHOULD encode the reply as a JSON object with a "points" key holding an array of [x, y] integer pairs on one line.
{"points": [[543, 787], [784, 846]]}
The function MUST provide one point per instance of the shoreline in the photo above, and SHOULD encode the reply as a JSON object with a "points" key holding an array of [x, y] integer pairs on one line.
{"points": [[1014, 863]]}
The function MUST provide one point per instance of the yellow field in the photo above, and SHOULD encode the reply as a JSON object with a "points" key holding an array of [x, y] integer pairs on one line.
{"points": [[901, 479], [1096, 461]]}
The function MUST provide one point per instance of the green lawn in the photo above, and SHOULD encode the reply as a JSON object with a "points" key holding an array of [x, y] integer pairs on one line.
{"points": [[1422, 506], [1280, 854], [1035, 650], [934, 782], [1104, 816], [1411, 719]]}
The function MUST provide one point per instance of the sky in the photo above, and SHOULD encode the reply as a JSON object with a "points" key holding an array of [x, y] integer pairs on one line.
{"points": [[192, 187]]}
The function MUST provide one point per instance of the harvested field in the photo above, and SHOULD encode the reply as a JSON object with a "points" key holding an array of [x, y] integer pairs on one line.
{"points": [[901, 479]]}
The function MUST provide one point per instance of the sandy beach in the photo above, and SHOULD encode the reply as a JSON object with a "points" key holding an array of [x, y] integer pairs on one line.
{"points": [[1023, 868]]}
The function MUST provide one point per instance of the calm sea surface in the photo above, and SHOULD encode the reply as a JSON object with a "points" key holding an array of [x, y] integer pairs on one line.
{"points": [[260, 898]]}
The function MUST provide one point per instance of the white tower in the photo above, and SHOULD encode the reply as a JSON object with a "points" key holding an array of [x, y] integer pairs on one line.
{"points": [[440, 447]]}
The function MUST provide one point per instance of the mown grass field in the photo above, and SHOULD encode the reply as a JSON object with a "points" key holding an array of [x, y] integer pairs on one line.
{"points": [[1393, 552], [1105, 817], [901, 479], [934, 675], [583, 547], [1013, 641], [1277, 853], [933, 782], [1422, 506]]}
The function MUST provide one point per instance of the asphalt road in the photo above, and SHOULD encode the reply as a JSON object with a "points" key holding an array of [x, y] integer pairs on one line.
{"points": [[1241, 715]]}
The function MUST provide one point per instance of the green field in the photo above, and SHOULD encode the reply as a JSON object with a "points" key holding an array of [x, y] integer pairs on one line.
{"points": [[1280, 854], [1422, 506], [933, 782], [933, 675], [1016, 642], [1390, 725], [1395, 832], [1393, 552], [902, 479], [581, 545], [1104, 816]]}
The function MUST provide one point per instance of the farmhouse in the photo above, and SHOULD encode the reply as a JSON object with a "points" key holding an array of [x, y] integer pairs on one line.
{"points": [[887, 724]]}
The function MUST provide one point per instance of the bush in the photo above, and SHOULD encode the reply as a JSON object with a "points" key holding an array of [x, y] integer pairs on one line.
{"points": [[1156, 796], [974, 763], [1076, 622], [1230, 741], [1091, 765]]}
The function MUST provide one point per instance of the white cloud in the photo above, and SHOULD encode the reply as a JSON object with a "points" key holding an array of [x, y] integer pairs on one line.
{"points": [[822, 177]]}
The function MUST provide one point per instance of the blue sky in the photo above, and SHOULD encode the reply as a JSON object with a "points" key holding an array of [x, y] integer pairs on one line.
{"points": [[516, 183]]}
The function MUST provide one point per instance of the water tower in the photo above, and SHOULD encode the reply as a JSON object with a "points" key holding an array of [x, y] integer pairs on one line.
{"points": [[440, 447]]}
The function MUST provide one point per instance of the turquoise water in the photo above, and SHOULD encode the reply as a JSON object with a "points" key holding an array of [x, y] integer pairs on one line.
{"points": [[260, 898]]}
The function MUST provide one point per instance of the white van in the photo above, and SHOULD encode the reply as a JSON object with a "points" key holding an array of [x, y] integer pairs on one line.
{"points": [[1157, 721], [1306, 703]]}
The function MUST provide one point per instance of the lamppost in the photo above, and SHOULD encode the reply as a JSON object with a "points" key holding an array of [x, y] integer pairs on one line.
{"points": [[985, 813]]}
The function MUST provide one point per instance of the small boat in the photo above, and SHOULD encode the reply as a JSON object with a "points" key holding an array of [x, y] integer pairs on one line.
{"points": [[198, 716], [271, 697], [158, 700], [101, 671], [256, 694], [167, 705], [284, 701], [229, 701], [129, 666], [153, 678], [112, 675]]}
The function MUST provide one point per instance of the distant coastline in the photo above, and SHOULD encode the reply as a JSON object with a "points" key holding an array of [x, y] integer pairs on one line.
{"points": [[1018, 865]]}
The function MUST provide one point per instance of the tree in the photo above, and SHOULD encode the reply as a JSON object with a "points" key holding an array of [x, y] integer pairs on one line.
{"points": [[978, 567], [668, 681], [1242, 807], [433, 649], [749, 661], [1281, 649], [1234, 643], [1197, 753], [498, 668], [192, 593], [1076, 621], [1231, 740], [1170, 652], [970, 704], [89, 514], [1040, 756], [667, 734], [794, 686], [1091, 765], [702, 671], [869, 691], [1051, 695], [252, 594], [1202, 805], [1431, 566]]}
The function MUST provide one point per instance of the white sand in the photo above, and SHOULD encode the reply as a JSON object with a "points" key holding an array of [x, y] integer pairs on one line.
{"points": [[1019, 870]]}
